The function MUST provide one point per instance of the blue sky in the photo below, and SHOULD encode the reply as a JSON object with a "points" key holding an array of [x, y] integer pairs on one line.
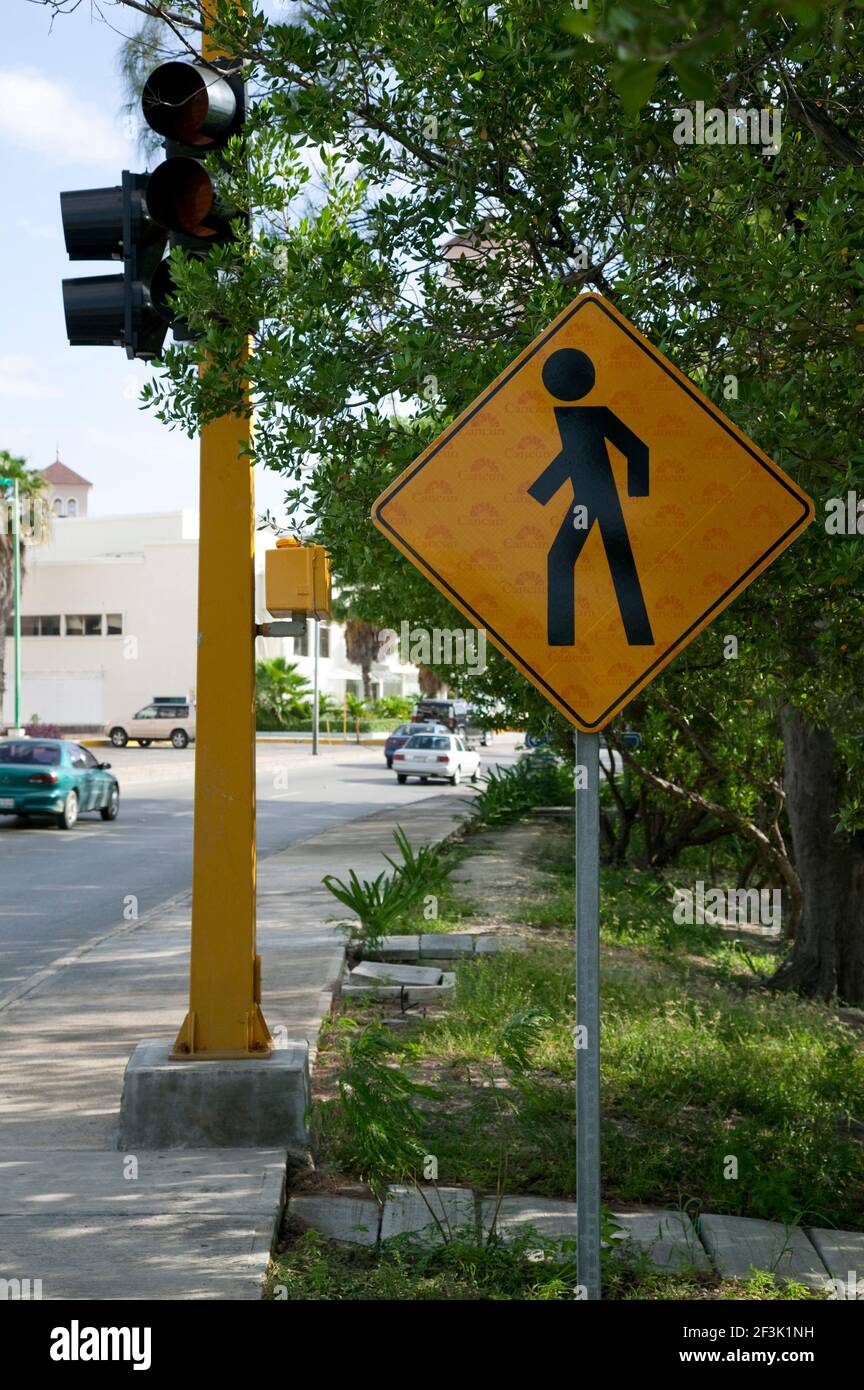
{"points": [[61, 128]]}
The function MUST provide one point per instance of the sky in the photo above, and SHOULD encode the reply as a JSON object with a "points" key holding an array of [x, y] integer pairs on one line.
{"points": [[61, 127]]}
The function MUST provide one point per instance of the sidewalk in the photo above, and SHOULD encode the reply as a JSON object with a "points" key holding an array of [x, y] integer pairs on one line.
{"points": [[93, 1223]]}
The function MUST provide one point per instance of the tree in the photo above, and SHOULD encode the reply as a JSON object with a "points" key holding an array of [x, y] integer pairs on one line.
{"points": [[281, 692], [361, 648], [429, 681], [545, 140], [32, 488]]}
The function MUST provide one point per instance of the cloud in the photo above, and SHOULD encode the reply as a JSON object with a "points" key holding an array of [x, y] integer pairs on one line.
{"points": [[48, 117]]}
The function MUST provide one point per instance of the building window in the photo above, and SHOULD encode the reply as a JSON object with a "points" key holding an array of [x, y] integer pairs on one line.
{"points": [[40, 625], [114, 625], [301, 644], [58, 506], [84, 625], [72, 507]]}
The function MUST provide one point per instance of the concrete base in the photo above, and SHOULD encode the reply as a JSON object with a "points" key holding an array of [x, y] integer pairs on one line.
{"points": [[238, 1103]]}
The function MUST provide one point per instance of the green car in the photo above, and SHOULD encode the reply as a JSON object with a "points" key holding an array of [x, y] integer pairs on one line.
{"points": [[56, 778]]}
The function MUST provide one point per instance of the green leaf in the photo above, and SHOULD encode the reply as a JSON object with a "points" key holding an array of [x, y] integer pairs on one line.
{"points": [[634, 81], [695, 83], [577, 21]]}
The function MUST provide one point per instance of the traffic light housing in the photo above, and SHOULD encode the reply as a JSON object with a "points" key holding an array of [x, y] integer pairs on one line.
{"points": [[113, 224], [297, 580], [197, 107]]}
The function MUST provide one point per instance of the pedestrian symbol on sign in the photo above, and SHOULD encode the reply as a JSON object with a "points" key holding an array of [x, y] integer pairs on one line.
{"points": [[568, 375]]}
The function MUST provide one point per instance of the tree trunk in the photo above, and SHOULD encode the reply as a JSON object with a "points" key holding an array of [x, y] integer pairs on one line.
{"points": [[827, 959]]}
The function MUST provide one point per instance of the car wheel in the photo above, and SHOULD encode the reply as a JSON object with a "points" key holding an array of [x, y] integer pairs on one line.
{"points": [[475, 775], [119, 738], [180, 738], [69, 815], [390, 762], [401, 777], [112, 810], [455, 779]]}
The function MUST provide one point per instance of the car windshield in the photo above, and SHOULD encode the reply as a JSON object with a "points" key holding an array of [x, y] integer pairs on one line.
{"points": [[30, 754], [427, 741], [401, 731]]}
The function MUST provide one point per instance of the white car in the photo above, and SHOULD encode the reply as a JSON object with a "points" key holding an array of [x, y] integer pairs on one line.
{"points": [[436, 755], [156, 723]]}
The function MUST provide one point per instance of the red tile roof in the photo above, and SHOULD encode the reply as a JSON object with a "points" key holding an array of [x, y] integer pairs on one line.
{"points": [[61, 476]]}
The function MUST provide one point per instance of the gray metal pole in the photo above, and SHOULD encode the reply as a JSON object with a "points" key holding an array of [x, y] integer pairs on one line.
{"points": [[313, 622], [16, 567], [588, 1013]]}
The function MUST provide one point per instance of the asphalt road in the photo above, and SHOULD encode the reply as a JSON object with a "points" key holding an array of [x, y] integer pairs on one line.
{"points": [[60, 889]]}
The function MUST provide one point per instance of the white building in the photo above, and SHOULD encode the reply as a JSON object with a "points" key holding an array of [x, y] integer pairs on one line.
{"points": [[109, 617]]}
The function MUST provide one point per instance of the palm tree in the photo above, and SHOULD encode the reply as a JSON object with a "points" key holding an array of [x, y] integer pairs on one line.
{"points": [[361, 648], [361, 638], [31, 487], [429, 681], [280, 691]]}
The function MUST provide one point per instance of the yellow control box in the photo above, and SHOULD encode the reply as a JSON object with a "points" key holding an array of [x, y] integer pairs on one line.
{"points": [[297, 579]]}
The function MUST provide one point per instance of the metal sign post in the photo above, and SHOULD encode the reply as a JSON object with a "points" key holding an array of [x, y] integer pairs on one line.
{"points": [[315, 629], [587, 814]]}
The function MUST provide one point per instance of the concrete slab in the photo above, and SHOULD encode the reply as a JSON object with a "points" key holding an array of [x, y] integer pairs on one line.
{"points": [[446, 945], [381, 972], [408, 994], [167, 1256], [348, 1220], [739, 1244], [406, 1212], [549, 1217], [397, 948], [236, 1103], [58, 1183], [667, 1238], [842, 1253], [487, 945]]}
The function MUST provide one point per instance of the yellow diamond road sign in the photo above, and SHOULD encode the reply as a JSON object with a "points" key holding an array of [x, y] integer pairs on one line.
{"points": [[593, 511]]}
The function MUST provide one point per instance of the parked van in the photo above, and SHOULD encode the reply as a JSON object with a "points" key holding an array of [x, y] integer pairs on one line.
{"points": [[163, 721]]}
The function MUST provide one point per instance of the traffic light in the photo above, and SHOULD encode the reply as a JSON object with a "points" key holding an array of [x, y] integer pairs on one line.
{"points": [[297, 580], [197, 107], [113, 224]]}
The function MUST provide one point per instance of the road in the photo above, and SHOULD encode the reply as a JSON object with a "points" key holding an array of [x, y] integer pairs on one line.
{"points": [[60, 889]]}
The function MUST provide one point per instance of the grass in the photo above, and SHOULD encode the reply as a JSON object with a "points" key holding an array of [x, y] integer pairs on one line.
{"points": [[704, 1075], [703, 1065], [311, 1268], [491, 1120], [718, 1095], [451, 910]]}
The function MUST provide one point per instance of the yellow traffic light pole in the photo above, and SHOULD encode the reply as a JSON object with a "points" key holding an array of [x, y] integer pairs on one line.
{"points": [[225, 1018]]}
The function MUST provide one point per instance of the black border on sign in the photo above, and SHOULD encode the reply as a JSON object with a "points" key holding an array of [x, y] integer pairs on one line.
{"points": [[691, 390]]}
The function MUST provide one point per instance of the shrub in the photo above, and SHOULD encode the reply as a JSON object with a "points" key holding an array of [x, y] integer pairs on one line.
{"points": [[427, 869], [511, 792], [377, 902]]}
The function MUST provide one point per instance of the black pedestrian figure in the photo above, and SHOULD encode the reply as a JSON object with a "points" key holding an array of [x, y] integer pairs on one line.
{"points": [[584, 461]]}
